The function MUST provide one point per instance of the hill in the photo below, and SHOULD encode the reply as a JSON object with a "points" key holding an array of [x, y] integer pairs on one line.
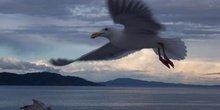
{"points": [[128, 82], [43, 79]]}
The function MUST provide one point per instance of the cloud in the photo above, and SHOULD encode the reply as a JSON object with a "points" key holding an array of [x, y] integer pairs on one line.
{"points": [[212, 74], [55, 8], [146, 66], [14, 65], [39, 25], [187, 10], [26, 34], [171, 10], [93, 11], [185, 20], [141, 65], [41, 39]]}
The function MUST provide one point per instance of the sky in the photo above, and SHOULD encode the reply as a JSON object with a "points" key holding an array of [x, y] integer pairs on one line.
{"points": [[34, 31]]}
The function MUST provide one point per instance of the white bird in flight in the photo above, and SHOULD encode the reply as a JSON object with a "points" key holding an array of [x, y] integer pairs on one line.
{"points": [[141, 31], [37, 105]]}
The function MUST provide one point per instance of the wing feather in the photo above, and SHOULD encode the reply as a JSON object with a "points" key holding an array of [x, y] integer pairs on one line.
{"points": [[134, 15], [36, 102], [106, 52]]}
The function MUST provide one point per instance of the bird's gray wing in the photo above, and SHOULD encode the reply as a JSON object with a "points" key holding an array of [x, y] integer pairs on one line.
{"points": [[36, 102], [135, 15], [106, 52]]}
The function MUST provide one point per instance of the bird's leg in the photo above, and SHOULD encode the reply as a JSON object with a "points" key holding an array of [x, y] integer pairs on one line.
{"points": [[165, 56], [162, 59]]}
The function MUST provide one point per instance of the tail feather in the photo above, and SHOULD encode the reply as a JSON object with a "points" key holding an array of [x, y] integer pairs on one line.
{"points": [[175, 48]]}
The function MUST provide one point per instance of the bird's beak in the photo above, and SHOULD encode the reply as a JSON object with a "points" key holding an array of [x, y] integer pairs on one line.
{"points": [[97, 34]]}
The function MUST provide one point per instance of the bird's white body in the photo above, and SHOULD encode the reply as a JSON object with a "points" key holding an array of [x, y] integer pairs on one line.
{"points": [[123, 40]]}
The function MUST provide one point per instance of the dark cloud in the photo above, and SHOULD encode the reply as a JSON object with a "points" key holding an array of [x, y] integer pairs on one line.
{"points": [[197, 11], [38, 38], [46, 31], [55, 8], [205, 11], [16, 65], [190, 19], [191, 31]]}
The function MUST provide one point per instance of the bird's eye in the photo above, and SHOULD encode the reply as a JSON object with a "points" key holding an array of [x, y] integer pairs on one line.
{"points": [[106, 29]]}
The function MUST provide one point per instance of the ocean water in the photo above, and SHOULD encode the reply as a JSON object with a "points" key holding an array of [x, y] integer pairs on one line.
{"points": [[111, 98]]}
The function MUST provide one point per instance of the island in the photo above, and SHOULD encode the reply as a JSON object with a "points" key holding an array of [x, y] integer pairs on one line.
{"points": [[43, 79]]}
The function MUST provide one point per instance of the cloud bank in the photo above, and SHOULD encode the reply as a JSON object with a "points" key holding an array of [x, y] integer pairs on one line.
{"points": [[46, 22], [14, 65]]}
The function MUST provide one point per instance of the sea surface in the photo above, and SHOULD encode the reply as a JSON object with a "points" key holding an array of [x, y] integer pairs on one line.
{"points": [[111, 98]]}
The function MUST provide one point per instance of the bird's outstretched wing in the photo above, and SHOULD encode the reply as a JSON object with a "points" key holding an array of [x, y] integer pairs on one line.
{"points": [[134, 15], [36, 102], [106, 52]]}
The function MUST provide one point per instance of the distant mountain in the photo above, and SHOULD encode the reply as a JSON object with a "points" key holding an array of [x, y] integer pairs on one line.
{"points": [[43, 79], [128, 82]]}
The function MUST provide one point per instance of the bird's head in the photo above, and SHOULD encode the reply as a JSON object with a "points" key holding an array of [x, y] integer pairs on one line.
{"points": [[105, 32]]}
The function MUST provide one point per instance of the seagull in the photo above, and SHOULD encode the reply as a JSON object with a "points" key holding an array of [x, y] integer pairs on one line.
{"points": [[141, 31], [37, 105]]}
